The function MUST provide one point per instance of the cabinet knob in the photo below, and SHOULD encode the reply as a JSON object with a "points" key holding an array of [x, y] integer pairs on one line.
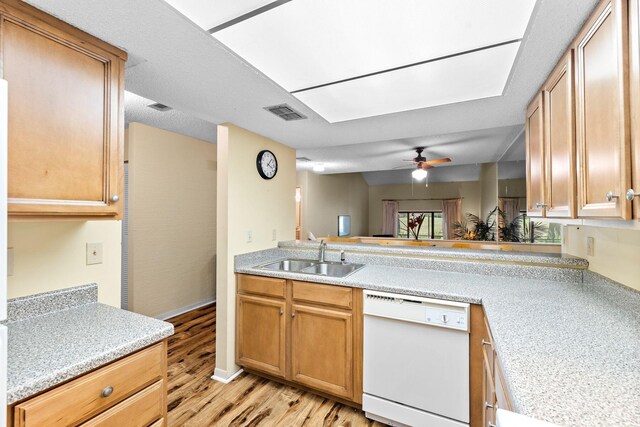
{"points": [[631, 194], [107, 391], [281, 312], [293, 314], [115, 198], [610, 196]]}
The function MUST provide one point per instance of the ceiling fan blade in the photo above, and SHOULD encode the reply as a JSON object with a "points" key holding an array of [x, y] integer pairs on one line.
{"points": [[404, 167], [426, 166], [438, 161]]}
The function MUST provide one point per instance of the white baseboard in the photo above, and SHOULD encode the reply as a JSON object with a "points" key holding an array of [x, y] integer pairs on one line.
{"points": [[174, 313], [221, 375]]}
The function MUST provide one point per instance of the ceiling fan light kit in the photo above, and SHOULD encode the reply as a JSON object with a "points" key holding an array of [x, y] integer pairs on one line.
{"points": [[419, 174], [422, 164]]}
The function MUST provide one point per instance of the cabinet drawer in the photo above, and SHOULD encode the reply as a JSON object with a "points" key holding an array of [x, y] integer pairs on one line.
{"points": [[336, 296], [81, 399], [139, 410], [261, 286]]}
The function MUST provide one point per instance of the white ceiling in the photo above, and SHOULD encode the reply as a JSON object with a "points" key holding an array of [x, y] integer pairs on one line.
{"points": [[136, 110], [211, 13], [176, 63]]}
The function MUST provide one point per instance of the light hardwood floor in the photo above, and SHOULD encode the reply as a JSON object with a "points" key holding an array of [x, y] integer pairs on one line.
{"points": [[196, 400]]}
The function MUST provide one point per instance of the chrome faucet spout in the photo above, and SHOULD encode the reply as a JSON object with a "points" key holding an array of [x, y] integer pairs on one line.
{"points": [[323, 247]]}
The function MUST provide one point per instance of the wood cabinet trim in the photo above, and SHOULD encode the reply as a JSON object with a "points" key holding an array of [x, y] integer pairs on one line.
{"points": [[634, 98], [20, 10]]}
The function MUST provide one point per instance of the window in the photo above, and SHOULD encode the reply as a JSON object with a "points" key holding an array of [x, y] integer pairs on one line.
{"points": [[539, 232], [431, 226]]}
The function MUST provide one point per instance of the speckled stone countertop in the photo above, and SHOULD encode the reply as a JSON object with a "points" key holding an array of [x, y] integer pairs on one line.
{"points": [[59, 335], [570, 350], [533, 258]]}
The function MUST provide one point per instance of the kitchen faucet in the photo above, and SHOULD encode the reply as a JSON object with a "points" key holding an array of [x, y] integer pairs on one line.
{"points": [[323, 247]]}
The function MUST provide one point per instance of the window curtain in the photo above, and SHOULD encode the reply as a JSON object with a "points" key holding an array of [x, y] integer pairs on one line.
{"points": [[390, 217], [451, 214], [510, 206]]}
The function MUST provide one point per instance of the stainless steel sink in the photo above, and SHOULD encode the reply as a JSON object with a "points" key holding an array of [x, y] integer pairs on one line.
{"points": [[332, 269], [292, 265]]}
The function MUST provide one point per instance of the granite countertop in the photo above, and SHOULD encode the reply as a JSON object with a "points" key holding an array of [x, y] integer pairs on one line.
{"points": [[59, 335], [570, 350], [533, 258]]}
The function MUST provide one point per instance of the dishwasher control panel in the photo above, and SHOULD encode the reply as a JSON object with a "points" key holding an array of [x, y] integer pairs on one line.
{"points": [[428, 311]]}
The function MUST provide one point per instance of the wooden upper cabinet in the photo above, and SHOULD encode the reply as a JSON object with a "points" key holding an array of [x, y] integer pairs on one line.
{"points": [[534, 132], [634, 79], [559, 136], [602, 113], [65, 117]]}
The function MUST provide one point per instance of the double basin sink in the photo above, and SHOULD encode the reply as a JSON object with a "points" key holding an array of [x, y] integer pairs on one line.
{"points": [[324, 268]]}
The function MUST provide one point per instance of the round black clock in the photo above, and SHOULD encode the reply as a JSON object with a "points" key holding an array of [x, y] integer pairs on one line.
{"points": [[267, 164]]}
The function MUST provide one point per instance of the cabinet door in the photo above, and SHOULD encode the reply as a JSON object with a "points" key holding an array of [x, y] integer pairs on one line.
{"points": [[634, 77], [260, 335], [602, 122], [534, 129], [322, 349], [64, 133], [559, 126]]}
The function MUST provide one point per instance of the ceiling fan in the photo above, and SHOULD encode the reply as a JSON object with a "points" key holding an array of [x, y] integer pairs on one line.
{"points": [[422, 164]]}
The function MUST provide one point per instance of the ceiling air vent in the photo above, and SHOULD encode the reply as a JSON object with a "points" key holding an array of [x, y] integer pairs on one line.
{"points": [[285, 112], [303, 159], [159, 107]]}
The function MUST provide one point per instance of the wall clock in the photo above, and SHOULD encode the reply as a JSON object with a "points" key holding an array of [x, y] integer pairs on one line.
{"points": [[267, 164]]}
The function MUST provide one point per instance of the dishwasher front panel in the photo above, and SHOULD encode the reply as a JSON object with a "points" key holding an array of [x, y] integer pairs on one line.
{"points": [[422, 366]]}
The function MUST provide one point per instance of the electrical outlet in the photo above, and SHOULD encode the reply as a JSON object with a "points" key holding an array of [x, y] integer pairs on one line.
{"points": [[9, 261], [94, 253], [249, 236], [590, 246], [274, 234]]}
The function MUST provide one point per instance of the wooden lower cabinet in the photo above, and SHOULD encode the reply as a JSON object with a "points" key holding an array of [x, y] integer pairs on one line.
{"points": [[261, 334], [310, 336], [131, 391], [495, 392], [322, 349]]}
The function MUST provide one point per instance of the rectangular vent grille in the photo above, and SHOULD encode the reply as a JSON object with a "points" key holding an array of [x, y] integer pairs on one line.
{"points": [[285, 112], [159, 107]]}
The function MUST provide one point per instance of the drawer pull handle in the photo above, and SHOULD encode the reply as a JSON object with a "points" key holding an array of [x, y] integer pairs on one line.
{"points": [[485, 342], [610, 196], [107, 391], [487, 405]]}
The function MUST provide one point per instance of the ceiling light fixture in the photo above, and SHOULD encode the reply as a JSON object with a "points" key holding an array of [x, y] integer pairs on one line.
{"points": [[318, 167], [419, 174]]}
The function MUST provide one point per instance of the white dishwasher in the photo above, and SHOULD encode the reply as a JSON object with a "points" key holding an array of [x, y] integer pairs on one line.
{"points": [[416, 360]]}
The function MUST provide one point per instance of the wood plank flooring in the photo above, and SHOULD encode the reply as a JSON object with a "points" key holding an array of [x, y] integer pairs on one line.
{"points": [[196, 400]]}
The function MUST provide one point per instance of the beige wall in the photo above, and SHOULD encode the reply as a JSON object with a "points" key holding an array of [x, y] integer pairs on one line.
{"points": [[172, 221], [324, 197], [514, 188], [52, 255], [246, 202], [615, 251], [468, 190], [488, 188]]}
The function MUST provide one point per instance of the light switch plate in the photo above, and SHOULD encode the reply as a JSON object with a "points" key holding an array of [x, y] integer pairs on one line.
{"points": [[274, 234], [94, 253], [590, 246], [9, 261], [249, 236]]}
